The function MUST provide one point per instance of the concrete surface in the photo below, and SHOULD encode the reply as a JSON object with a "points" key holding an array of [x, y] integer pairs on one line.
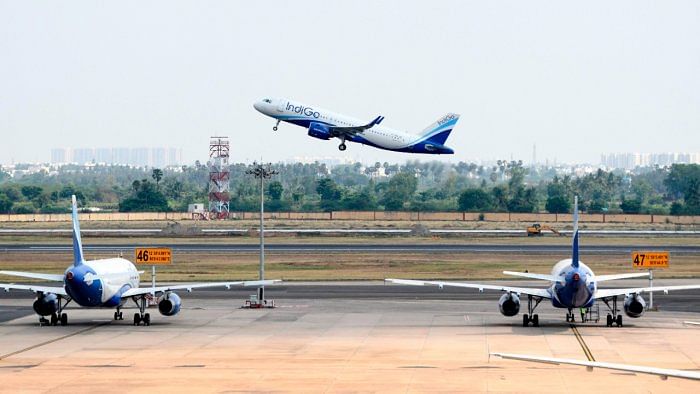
{"points": [[336, 345]]}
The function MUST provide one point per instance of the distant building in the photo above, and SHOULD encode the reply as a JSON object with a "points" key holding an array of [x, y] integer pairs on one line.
{"points": [[140, 157], [629, 161]]}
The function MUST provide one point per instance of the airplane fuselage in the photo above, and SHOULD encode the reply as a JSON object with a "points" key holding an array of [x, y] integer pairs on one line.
{"points": [[100, 283], [378, 136], [576, 288]]}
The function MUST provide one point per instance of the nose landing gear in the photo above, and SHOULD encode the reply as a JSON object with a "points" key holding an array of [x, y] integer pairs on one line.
{"points": [[342, 147], [274, 128]]}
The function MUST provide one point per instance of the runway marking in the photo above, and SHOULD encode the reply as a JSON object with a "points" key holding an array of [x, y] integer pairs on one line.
{"points": [[38, 345], [581, 342]]}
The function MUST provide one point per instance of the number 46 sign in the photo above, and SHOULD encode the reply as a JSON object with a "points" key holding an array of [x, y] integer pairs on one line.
{"points": [[153, 256]]}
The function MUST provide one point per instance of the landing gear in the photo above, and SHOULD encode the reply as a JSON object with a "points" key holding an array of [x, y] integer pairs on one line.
{"points": [[570, 317], [342, 146], [143, 316], [57, 317], [530, 316], [118, 315], [274, 128], [611, 318]]}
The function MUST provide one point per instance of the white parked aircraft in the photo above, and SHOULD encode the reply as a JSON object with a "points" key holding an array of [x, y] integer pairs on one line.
{"points": [[663, 373], [573, 285], [324, 124], [106, 283]]}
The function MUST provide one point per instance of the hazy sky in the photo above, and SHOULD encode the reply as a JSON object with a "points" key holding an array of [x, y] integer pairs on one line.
{"points": [[576, 78]]}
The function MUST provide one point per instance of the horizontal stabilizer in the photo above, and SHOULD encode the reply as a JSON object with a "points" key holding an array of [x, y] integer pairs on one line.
{"points": [[34, 275], [533, 276], [603, 278]]}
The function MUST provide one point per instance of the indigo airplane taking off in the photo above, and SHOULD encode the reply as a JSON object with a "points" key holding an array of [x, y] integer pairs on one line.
{"points": [[324, 124], [573, 285], [105, 283]]}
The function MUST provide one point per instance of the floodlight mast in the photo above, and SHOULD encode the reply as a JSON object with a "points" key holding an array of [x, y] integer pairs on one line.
{"points": [[262, 171]]}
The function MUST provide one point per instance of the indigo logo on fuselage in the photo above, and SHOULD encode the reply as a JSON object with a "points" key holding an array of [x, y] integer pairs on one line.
{"points": [[299, 109]]}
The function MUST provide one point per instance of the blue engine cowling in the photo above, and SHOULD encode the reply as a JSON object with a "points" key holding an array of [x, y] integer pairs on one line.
{"points": [[635, 305], [509, 304], [46, 304], [169, 304], [319, 130]]}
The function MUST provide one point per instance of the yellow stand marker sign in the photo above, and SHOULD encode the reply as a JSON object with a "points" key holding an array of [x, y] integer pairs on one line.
{"points": [[650, 261], [154, 256]]}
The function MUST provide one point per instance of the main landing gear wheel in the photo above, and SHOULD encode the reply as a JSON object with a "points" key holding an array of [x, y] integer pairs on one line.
{"points": [[535, 320], [54, 319], [64, 319], [147, 319], [618, 321], [526, 320], [613, 318], [137, 319], [342, 147]]}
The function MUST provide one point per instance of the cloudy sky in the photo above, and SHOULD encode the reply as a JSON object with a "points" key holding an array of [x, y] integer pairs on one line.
{"points": [[575, 78]]}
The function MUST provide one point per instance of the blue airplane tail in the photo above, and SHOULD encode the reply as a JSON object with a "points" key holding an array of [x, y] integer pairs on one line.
{"points": [[575, 255], [77, 242], [440, 130]]}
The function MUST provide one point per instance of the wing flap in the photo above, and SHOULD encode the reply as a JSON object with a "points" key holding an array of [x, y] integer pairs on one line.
{"points": [[481, 287], [190, 286], [35, 275], [34, 288], [662, 372], [605, 293]]}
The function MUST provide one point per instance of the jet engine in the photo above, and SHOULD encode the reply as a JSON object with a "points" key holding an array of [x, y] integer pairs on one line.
{"points": [[169, 304], [319, 130], [46, 304], [635, 305], [509, 304]]}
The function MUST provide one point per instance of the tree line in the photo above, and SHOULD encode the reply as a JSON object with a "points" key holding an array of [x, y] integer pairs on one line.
{"points": [[507, 186]]}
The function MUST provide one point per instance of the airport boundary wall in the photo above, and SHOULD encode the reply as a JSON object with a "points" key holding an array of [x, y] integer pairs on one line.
{"points": [[368, 216]]}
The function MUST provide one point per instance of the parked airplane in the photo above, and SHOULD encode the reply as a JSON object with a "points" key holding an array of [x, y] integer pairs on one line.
{"points": [[324, 124], [573, 285], [663, 373], [105, 283]]}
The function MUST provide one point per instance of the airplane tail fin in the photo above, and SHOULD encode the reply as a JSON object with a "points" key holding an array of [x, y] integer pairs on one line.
{"points": [[440, 130], [575, 255], [77, 242]]}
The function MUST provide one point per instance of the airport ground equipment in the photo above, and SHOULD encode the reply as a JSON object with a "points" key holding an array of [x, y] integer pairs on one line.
{"points": [[105, 283], [573, 285]]}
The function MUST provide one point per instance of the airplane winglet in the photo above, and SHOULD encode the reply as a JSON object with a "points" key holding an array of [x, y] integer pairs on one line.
{"points": [[77, 242], [376, 121]]}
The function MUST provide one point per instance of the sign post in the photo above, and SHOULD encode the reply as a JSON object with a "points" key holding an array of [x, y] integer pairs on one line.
{"points": [[153, 257], [650, 261]]}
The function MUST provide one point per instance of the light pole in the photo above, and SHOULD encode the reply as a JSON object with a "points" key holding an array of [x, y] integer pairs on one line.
{"points": [[262, 171]]}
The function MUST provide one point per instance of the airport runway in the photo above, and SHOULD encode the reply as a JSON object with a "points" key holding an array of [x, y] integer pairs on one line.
{"points": [[339, 345], [354, 248]]}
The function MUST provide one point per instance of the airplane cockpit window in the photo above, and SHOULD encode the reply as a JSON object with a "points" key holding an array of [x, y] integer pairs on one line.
{"points": [[267, 101]]}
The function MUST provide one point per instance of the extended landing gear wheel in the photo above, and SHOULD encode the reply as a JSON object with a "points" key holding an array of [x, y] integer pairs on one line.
{"points": [[64, 319], [342, 147], [618, 321], [535, 320], [137, 319], [526, 320], [54, 319], [274, 128], [116, 316], [147, 319], [609, 320], [43, 322]]}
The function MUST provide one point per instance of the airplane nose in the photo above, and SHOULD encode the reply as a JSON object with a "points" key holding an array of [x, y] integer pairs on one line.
{"points": [[258, 106]]}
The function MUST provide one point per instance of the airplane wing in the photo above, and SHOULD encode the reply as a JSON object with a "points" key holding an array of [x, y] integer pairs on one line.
{"points": [[534, 276], [481, 287], [605, 293], [692, 323], [337, 131], [663, 373], [190, 286], [34, 275], [34, 288], [603, 278]]}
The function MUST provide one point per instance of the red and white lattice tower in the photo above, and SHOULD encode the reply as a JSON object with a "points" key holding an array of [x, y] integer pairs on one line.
{"points": [[219, 175]]}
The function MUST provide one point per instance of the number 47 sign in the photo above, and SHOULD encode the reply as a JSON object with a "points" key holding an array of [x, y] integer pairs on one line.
{"points": [[648, 260]]}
